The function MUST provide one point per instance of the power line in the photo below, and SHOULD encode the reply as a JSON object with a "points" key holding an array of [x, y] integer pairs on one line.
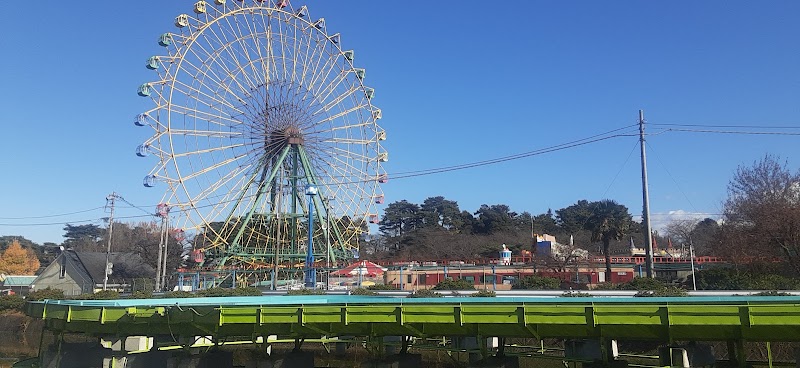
{"points": [[50, 216], [575, 143], [729, 126], [728, 132], [76, 221]]}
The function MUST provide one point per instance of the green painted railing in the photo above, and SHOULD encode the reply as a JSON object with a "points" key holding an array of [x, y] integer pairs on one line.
{"points": [[665, 319]]}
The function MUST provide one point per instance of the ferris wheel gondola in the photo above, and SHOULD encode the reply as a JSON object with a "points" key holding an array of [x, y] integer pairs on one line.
{"points": [[254, 100]]}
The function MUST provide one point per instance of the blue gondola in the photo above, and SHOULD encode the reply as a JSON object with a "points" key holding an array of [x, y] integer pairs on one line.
{"points": [[144, 90], [336, 38], [142, 151], [360, 73], [302, 12], [320, 23], [140, 120], [149, 181], [165, 40], [153, 63]]}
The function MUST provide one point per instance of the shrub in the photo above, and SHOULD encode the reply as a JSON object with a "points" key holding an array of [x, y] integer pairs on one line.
{"points": [[382, 287], [43, 294], [575, 294], [11, 302], [730, 279], [141, 294], [664, 291], [218, 292], [425, 293], [484, 294], [362, 291], [178, 294], [773, 293], [459, 284], [642, 283], [606, 286], [537, 283], [305, 292], [100, 295]]}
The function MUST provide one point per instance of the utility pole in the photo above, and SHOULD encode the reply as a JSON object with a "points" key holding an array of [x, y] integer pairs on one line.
{"points": [[648, 232], [162, 211], [110, 200]]}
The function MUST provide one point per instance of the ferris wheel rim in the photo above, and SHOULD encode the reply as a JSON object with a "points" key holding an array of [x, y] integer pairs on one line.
{"points": [[180, 178]]}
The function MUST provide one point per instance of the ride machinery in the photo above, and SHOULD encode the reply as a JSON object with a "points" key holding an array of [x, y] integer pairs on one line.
{"points": [[253, 102]]}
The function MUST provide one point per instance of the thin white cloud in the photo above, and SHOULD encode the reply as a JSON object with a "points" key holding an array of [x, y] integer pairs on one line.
{"points": [[659, 221]]}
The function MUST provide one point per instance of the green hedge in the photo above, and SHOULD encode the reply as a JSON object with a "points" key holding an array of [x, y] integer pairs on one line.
{"points": [[11, 302], [537, 283], [459, 284], [43, 294], [425, 293]]}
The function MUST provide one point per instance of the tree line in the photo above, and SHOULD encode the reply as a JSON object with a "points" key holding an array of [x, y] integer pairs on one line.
{"points": [[140, 238], [758, 231]]}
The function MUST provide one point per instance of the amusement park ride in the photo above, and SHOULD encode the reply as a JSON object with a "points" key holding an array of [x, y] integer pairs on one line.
{"points": [[253, 102]]}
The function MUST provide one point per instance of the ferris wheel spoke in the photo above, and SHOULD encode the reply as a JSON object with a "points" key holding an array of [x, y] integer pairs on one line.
{"points": [[226, 45], [326, 91], [339, 115], [218, 60], [337, 100], [234, 26], [321, 72], [204, 133], [203, 115], [209, 150], [224, 180], [186, 88], [213, 167]]}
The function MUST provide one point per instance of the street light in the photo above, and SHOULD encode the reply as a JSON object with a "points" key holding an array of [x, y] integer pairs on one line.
{"points": [[310, 272]]}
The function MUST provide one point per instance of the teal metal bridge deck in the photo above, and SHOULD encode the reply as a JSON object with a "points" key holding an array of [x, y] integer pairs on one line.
{"points": [[745, 318]]}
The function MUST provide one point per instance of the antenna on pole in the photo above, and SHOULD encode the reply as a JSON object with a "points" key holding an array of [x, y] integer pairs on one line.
{"points": [[110, 201], [648, 232]]}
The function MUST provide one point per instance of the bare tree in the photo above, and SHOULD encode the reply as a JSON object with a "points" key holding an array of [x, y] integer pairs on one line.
{"points": [[762, 214]]}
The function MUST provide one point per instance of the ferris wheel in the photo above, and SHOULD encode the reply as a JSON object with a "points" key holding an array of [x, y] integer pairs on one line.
{"points": [[253, 101]]}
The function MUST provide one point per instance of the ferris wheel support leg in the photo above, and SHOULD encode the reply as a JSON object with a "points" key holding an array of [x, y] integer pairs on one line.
{"points": [[295, 198], [261, 191], [313, 180]]}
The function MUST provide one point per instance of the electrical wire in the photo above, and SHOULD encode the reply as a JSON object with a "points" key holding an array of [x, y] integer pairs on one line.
{"points": [[730, 132], [727, 126], [664, 166], [76, 221], [50, 216], [575, 143]]}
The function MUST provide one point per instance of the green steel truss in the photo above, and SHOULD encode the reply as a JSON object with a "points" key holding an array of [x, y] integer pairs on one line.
{"points": [[662, 319], [229, 246]]}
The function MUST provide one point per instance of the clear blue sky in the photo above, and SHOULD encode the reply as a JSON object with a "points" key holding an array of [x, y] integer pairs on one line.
{"points": [[458, 82]]}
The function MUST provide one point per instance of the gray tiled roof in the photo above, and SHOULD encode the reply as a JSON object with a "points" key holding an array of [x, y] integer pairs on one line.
{"points": [[126, 265]]}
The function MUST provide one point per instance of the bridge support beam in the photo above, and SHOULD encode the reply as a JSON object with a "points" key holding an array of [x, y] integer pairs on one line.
{"points": [[736, 353], [395, 361]]}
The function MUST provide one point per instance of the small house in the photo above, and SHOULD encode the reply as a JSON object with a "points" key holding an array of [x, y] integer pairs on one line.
{"points": [[83, 272]]}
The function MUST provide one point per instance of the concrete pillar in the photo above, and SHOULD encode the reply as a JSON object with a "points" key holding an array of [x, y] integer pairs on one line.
{"points": [[497, 362], [340, 348], [392, 344], [478, 347], [395, 361], [673, 356], [197, 359], [294, 359], [797, 358]]}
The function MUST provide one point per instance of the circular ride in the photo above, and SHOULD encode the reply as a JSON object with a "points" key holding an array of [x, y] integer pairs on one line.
{"points": [[253, 102]]}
